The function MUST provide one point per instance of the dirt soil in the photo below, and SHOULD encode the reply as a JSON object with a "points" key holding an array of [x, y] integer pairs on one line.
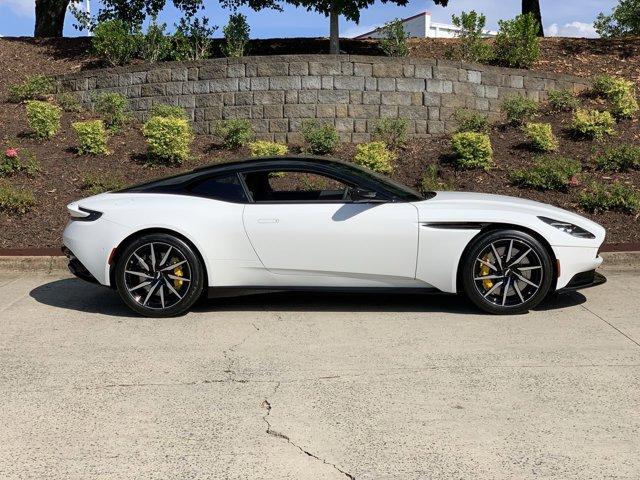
{"points": [[62, 172]]}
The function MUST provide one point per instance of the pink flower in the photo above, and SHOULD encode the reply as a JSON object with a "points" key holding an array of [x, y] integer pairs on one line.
{"points": [[574, 181], [11, 153]]}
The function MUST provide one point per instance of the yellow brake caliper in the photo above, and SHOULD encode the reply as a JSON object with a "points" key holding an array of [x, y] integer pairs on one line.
{"points": [[178, 273], [484, 271]]}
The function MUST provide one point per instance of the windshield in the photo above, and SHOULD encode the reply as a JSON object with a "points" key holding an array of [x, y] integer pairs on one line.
{"points": [[395, 188]]}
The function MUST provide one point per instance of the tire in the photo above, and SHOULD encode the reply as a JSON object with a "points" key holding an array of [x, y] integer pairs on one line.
{"points": [[507, 272], [148, 285]]}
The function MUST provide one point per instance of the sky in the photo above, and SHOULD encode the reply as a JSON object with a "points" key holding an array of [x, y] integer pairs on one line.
{"points": [[570, 18]]}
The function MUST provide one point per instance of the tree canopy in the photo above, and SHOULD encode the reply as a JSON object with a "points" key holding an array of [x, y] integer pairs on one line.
{"points": [[624, 21]]}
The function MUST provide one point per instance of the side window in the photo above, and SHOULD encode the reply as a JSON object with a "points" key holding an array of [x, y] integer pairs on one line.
{"points": [[294, 186], [226, 188]]}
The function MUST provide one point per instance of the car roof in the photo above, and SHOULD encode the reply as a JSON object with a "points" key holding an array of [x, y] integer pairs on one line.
{"points": [[253, 162]]}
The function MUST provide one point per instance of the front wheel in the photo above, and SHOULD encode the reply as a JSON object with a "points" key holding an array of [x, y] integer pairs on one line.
{"points": [[507, 272], [159, 275]]}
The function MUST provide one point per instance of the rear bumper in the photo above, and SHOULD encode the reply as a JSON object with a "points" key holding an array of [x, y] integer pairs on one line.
{"points": [[77, 268], [584, 280]]}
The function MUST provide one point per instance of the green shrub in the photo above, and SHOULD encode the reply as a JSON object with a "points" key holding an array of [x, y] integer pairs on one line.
{"points": [[168, 139], [98, 183], [519, 109], [320, 138], [391, 131], [541, 136], [517, 44], [14, 161], [15, 200], [473, 150], [620, 93], [35, 87], [234, 133], [430, 182], [593, 123], [168, 111], [192, 40], [92, 137], [470, 121], [616, 196], [112, 107], [236, 36], [43, 118], [548, 173], [375, 156], [394, 40], [267, 149], [563, 100], [154, 45], [68, 102], [113, 41], [619, 159], [472, 46]]}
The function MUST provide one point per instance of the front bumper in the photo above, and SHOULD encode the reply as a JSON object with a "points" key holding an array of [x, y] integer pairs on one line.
{"points": [[584, 280]]}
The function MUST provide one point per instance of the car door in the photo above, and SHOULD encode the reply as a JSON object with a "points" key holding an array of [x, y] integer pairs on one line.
{"points": [[295, 230]]}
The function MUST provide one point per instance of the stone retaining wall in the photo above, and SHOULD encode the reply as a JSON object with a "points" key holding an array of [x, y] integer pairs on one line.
{"points": [[278, 93]]}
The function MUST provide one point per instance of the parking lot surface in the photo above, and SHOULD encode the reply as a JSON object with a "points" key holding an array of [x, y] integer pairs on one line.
{"points": [[293, 386]]}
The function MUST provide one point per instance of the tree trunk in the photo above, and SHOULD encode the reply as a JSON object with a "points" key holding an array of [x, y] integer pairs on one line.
{"points": [[50, 17], [533, 6], [334, 35]]}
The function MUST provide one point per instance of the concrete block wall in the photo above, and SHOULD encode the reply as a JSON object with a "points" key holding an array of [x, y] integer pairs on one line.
{"points": [[278, 93]]}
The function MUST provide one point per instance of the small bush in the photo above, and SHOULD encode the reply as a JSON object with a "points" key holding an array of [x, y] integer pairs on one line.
{"points": [[517, 44], [473, 47], [548, 173], [470, 121], [473, 150], [14, 161], [35, 87], [519, 109], [98, 183], [391, 131], [615, 196], [267, 149], [234, 133], [430, 182], [168, 139], [394, 40], [593, 123], [320, 138], [236, 36], [619, 159], [112, 106], [154, 45], [375, 156], [113, 41], [68, 102], [15, 200], [541, 136], [43, 118], [92, 137], [168, 111], [192, 40], [620, 93], [562, 100]]}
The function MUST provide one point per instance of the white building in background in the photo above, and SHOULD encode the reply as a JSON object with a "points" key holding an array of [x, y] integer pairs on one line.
{"points": [[421, 26]]}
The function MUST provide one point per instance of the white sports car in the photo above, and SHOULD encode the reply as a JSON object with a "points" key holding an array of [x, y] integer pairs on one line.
{"points": [[306, 223]]}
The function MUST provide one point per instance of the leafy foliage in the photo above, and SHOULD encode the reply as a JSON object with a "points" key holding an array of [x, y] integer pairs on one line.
{"points": [[98, 183], [267, 149], [43, 118], [430, 181], [599, 197], [391, 131], [113, 41], [593, 123], [394, 40], [34, 87], [624, 21], [563, 100], [321, 138], [69, 102], [192, 40], [541, 136], [519, 109], [619, 159], [15, 200], [92, 137], [234, 133], [236, 36], [375, 156], [548, 173], [14, 161], [154, 45], [112, 106], [620, 93], [473, 150], [473, 47], [470, 121], [168, 139], [517, 44], [168, 111]]}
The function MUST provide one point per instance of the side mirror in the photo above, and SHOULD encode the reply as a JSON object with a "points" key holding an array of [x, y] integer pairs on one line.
{"points": [[360, 195]]}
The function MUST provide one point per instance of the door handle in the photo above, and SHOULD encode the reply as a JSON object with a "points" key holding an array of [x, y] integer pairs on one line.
{"points": [[268, 220]]}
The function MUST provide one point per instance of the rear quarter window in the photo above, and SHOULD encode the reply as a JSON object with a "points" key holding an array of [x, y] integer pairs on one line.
{"points": [[226, 188]]}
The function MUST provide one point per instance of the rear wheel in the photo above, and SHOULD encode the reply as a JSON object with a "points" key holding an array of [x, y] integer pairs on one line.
{"points": [[507, 272], [159, 275]]}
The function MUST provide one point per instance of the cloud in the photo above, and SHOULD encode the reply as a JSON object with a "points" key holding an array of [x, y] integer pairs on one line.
{"points": [[572, 29], [22, 8]]}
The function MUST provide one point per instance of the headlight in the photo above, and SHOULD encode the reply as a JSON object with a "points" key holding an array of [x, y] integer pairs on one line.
{"points": [[567, 227]]}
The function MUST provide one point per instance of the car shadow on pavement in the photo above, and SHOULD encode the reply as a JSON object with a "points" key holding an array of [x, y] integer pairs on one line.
{"points": [[74, 294]]}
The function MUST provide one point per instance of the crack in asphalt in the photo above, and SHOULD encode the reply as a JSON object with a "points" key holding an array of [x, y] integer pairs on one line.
{"points": [[225, 353], [270, 431], [628, 337]]}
